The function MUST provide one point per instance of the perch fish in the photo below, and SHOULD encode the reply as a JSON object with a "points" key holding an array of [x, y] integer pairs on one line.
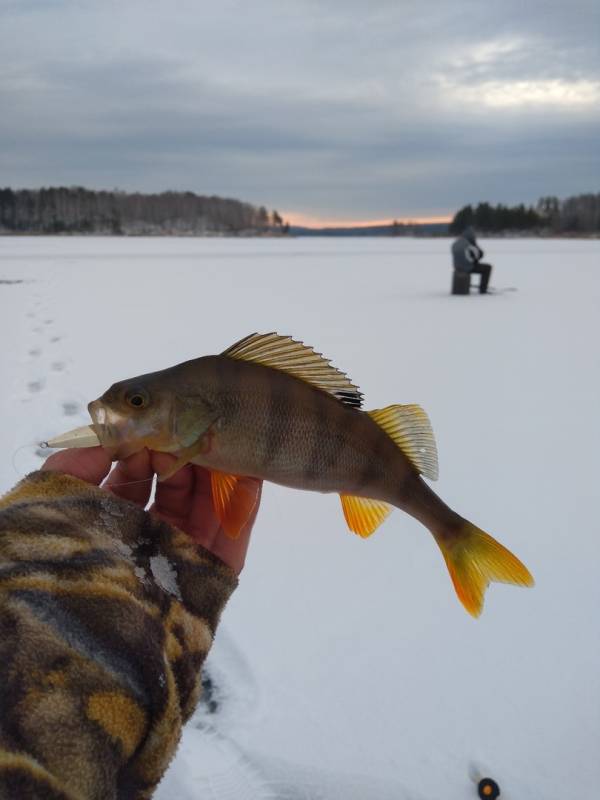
{"points": [[270, 407]]}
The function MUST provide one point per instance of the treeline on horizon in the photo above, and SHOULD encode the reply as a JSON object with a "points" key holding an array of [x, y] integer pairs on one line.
{"points": [[78, 210], [573, 215]]}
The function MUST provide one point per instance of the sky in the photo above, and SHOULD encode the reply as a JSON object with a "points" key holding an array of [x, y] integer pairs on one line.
{"points": [[330, 111]]}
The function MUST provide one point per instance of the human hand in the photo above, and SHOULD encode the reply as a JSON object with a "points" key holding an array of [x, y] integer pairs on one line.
{"points": [[183, 500]]}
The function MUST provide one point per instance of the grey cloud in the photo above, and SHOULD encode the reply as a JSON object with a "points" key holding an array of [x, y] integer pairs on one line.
{"points": [[311, 105]]}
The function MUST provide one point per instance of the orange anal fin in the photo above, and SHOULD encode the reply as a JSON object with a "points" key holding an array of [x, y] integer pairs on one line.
{"points": [[363, 515], [234, 500]]}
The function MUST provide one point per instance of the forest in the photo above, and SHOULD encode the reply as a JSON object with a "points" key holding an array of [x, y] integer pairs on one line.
{"points": [[79, 210], [574, 215]]}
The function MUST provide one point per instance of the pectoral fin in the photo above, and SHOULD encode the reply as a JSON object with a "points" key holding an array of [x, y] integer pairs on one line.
{"points": [[185, 456], [234, 500], [363, 516]]}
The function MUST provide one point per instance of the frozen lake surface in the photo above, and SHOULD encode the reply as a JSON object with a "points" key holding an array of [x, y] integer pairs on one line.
{"points": [[347, 669]]}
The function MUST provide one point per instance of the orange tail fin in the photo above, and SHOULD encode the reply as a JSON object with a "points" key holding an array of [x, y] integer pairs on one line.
{"points": [[474, 559]]}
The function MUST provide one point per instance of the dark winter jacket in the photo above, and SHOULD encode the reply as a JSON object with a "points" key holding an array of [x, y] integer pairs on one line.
{"points": [[106, 615], [465, 251]]}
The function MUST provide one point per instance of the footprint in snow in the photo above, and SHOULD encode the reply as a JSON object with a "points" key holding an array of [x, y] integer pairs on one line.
{"points": [[230, 689], [35, 386], [70, 408]]}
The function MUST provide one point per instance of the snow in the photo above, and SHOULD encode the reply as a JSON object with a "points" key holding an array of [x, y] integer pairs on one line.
{"points": [[347, 668]]}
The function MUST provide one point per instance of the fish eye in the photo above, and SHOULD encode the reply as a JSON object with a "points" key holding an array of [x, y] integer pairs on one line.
{"points": [[137, 399]]}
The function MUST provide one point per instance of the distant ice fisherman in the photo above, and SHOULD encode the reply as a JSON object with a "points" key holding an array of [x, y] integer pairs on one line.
{"points": [[466, 257]]}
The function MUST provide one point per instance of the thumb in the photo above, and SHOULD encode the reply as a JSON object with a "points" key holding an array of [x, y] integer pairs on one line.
{"points": [[91, 464]]}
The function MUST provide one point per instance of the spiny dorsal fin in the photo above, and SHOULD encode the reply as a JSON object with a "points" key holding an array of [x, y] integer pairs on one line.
{"points": [[363, 515], [297, 359], [410, 429]]}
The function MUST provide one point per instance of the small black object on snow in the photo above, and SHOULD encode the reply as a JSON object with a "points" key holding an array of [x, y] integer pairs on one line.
{"points": [[488, 789]]}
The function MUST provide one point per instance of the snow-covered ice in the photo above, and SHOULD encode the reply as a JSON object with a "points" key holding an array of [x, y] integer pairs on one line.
{"points": [[347, 668]]}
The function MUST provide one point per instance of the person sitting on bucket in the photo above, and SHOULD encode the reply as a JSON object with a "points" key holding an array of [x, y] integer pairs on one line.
{"points": [[467, 255]]}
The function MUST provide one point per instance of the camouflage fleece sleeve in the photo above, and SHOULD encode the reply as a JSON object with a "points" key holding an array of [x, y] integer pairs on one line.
{"points": [[106, 615]]}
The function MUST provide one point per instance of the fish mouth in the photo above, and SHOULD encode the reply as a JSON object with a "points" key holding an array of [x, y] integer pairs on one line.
{"points": [[114, 430]]}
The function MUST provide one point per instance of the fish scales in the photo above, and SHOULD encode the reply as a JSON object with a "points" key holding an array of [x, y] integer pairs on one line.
{"points": [[273, 409], [282, 429]]}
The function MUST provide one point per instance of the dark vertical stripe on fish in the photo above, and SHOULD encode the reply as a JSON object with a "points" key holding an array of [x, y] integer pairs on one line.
{"points": [[313, 465], [336, 438], [352, 421], [280, 410], [228, 376], [371, 472]]}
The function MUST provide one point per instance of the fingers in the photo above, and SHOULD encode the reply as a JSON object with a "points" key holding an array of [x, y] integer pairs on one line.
{"points": [[173, 495], [91, 464], [258, 486], [234, 551], [231, 551], [185, 500], [132, 478]]}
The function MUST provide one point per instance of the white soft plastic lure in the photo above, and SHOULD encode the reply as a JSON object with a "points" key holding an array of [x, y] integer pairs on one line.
{"points": [[78, 437]]}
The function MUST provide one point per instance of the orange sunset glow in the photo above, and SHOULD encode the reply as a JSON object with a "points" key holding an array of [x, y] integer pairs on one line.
{"points": [[313, 221]]}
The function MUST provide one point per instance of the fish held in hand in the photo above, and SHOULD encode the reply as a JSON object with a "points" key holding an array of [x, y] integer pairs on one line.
{"points": [[270, 407]]}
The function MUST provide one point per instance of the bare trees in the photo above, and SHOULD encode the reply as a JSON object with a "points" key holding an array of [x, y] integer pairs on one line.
{"points": [[581, 213], [578, 214], [77, 210]]}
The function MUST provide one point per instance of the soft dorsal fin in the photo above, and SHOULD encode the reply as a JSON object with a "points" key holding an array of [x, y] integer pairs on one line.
{"points": [[297, 359], [234, 500], [410, 429], [363, 515]]}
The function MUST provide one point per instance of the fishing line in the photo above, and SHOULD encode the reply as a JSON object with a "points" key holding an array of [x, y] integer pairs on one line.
{"points": [[125, 483], [18, 471], [43, 446]]}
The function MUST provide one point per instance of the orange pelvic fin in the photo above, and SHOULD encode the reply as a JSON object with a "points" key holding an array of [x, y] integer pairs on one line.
{"points": [[475, 559], [363, 515], [234, 500]]}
